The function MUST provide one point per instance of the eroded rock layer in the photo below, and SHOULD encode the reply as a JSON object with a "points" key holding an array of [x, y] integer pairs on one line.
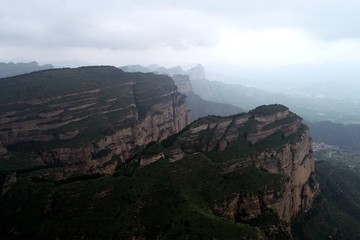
{"points": [[96, 116], [269, 145]]}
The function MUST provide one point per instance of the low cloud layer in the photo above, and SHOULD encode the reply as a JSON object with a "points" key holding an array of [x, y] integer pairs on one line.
{"points": [[121, 32]]}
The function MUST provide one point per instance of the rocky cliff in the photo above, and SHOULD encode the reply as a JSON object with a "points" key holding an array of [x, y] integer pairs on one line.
{"points": [[270, 139], [277, 142], [244, 176], [95, 116], [183, 83]]}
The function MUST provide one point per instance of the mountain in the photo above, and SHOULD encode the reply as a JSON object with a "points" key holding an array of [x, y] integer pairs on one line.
{"points": [[244, 176], [172, 71], [12, 69], [153, 68], [135, 68], [234, 94], [311, 108], [313, 102], [202, 108], [89, 119], [198, 106], [344, 136], [197, 73]]}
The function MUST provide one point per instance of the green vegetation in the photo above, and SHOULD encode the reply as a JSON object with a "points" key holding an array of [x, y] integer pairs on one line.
{"points": [[336, 212], [15, 161], [293, 118], [240, 148], [268, 109], [252, 180], [95, 101], [279, 139], [170, 201], [91, 128], [163, 200], [57, 82]]}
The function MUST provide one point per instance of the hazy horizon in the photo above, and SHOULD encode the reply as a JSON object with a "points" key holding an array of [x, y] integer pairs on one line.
{"points": [[293, 41]]}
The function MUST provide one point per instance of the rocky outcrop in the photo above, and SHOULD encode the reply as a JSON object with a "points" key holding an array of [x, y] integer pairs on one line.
{"points": [[294, 160], [265, 129], [183, 83], [273, 140], [92, 116]]}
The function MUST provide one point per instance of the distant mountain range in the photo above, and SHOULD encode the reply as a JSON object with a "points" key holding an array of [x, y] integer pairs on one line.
{"points": [[344, 136], [12, 69], [311, 106], [199, 107]]}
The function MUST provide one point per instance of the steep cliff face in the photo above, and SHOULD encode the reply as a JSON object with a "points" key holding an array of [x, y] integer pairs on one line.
{"points": [[229, 177], [93, 113], [272, 140], [183, 83]]}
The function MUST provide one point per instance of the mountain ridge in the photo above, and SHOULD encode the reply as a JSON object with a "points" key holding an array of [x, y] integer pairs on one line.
{"points": [[77, 115], [12, 69], [223, 177]]}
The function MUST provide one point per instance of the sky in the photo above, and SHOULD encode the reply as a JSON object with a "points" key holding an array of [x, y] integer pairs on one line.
{"points": [[242, 34]]}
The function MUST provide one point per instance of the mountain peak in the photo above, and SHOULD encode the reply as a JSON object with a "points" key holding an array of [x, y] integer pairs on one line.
{"points": [[197, 72]]}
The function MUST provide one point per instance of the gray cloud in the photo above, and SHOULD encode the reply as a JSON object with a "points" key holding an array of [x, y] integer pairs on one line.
{"points": [[145, 24], [125, 26], [335, 19], [40, 27]]}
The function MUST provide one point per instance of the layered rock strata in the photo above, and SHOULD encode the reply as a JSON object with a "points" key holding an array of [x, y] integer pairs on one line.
{"points": [[269, 138], [90, 115]]}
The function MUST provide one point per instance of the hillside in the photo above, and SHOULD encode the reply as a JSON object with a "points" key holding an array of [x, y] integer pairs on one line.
{"points": [[234, 94], [344, 136], [198, 106], [336, 211], [201, 108], [242, 176], [311, 107]]}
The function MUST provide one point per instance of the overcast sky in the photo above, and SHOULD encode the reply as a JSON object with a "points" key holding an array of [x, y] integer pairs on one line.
{"points": [[239, 32]]}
